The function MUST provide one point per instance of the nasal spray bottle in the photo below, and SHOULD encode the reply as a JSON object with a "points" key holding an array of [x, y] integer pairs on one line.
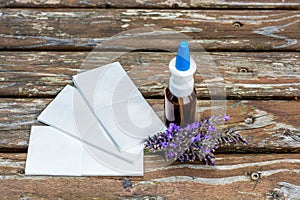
{"points": [[180, 96]]}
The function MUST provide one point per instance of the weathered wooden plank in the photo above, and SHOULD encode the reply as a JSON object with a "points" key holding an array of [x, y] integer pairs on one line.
{"points": [[214, 30], [229, 179], [269, 126], [272, 4], [246, 75]]}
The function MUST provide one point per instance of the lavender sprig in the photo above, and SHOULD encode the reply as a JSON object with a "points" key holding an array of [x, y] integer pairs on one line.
{"points": [[196, 141]]}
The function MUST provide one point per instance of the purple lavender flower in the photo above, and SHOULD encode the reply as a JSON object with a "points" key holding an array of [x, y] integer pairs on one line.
{"points": [[226, 118], [206, 136], [173, 145], [164, 144], [172, 128], [196, 141], [195, 138], [212, 128]]}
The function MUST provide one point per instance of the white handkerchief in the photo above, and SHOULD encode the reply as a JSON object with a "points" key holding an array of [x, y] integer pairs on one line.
{"points": [[118, 105], [52, 152], [69, 113]]}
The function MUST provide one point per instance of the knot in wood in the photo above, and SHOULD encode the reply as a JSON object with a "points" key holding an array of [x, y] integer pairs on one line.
{"points": [[243, 70], [175, 6], [107, 5], [127, 183], [275, 195], [255, 176], [237, 24], [21, 171], [249, 120]]}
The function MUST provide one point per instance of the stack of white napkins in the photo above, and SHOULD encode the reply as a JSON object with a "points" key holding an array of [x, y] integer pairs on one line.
{"points": [[95, 129]]}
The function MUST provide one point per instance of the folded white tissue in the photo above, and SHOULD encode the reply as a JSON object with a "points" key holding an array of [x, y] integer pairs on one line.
{"points": [[118, 105], [87, 134], [52, 152]]}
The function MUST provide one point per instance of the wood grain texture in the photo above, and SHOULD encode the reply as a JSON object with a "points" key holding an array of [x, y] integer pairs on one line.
{"points": [[229, 179], [246, 75], [271, 4], [286, 190], [269, 126], [71, 29], [262, 170]]}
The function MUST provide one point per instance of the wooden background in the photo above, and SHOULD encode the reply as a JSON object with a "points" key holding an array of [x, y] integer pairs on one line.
{"points": [[254, 43]]}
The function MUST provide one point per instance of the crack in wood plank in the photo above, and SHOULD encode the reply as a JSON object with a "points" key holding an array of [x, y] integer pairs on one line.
{"points": [[68, 29], [264, 134], [186, 181], [246, 75], [271, 30], [225, 167], [214, 181], [220, 4]]}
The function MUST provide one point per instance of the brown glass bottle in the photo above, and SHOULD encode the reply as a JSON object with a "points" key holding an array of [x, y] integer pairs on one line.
{"points": [[180, 110]]}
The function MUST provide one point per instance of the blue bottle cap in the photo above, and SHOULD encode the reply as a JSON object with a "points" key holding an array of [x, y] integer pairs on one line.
{"points": [[183, 56]]}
